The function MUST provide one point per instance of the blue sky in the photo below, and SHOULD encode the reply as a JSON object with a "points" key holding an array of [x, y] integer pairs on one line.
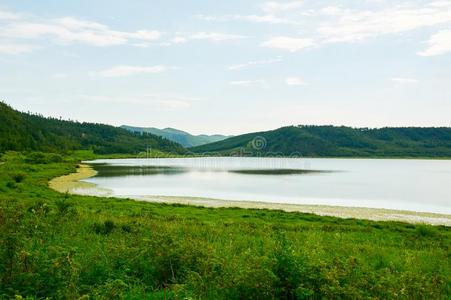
{"points": [[229, 66]]}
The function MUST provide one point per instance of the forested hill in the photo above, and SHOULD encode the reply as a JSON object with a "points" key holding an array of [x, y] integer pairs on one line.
{"points": [[23, 131], [331, 141], [182, 137]]}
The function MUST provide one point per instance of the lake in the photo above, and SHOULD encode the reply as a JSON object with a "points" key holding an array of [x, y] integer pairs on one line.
{"points": [[402, 184]]}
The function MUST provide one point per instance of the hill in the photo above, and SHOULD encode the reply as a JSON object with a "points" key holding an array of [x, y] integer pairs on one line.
{"points": [[24, 131], [183, 138], [331, 141]]}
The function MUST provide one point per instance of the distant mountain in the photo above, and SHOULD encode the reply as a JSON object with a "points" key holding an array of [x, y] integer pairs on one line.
{"points": [[24, 131], [331, 141], [183, 138]]}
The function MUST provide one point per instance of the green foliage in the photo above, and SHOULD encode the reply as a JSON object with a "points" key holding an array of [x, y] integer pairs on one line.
{"points": [[18, 177], [65, 206], [28, 132], [59, 246], [330, 141], [104, 228], [43, 158]]}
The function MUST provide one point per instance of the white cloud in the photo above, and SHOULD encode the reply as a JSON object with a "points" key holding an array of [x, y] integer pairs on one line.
{"points": [[124, 70], [184, 37], [333, 24], [331, 11], [254, 63], [273, 7], [439, 43], [270, 19], [7, 15], [354, 25], [247, 83], [404, 80], [214, 36], [289, 43], [179, 40], [71, 30], [13, 49], [212, 18], [295, 81], [141, 45], [270, 10]]}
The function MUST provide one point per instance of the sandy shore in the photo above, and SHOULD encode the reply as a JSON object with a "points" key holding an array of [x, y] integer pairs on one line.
{"points": [[71, 184]]}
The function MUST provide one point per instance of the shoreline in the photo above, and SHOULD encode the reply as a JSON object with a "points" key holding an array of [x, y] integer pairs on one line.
{"points": [[300, 157], [72, 184]]}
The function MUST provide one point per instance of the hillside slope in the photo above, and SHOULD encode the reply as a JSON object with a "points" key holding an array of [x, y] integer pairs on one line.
{"points": [[23, 131], [182, 137], [331, 141]]}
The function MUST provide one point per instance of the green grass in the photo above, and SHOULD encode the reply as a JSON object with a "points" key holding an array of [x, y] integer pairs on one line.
{"points": [[63, 246]]}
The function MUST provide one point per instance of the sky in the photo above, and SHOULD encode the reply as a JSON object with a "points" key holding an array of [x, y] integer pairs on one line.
{"points": [[229, 67]]}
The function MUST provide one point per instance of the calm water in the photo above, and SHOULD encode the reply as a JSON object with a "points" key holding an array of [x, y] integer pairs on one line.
{"points": [[418, 185]]}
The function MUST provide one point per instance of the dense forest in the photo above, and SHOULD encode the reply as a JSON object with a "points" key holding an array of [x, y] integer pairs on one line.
{"points": [[182, 137], [331, 141], [24, 131]]}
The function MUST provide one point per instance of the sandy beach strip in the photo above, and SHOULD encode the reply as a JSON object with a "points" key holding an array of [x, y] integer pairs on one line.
{"points": [[71, 184]]}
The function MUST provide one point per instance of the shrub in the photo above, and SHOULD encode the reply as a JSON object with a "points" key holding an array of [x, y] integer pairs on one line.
{"points": [[64, 206], [425, 230], [112, 289], [43, 158], [19, 177], [296, 278], [11, 185], [104, 228], [39, 208]]}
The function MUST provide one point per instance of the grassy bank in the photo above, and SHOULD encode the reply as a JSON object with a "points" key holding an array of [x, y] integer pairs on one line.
{"points": [[67, 246]]}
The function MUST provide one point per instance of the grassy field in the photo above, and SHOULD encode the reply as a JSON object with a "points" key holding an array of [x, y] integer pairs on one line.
{"points": [[65, 246]]}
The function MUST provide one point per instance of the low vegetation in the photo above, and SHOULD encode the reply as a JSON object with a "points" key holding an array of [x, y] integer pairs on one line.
{"points": [[55, 246]]}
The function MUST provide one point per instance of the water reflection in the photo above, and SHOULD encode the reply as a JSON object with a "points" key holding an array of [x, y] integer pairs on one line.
{"points": [[105, 170], [277, 172]]}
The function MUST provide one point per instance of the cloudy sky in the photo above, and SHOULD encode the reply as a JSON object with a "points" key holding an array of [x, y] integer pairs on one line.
{"points": [[229, 66]]}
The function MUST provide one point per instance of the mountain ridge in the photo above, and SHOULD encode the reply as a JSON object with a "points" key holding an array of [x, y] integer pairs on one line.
{"points": [[338, 141], [179, 136]]}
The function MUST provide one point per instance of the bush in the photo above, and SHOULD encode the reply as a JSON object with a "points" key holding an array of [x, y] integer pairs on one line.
{"points": [[43, 158], [39, 208], [64, 206], [104, 228], [425, 230], [19, 177], [11, 185]]}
